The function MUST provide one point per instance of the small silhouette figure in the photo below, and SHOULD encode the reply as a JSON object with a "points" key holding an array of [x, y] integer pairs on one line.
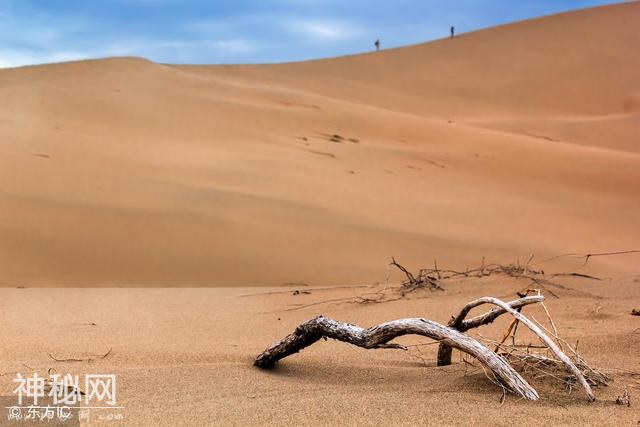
{"points": [[453, 31], [377, 44]]}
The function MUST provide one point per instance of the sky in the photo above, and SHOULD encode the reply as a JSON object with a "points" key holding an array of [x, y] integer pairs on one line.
{"points": [[241, 31]]}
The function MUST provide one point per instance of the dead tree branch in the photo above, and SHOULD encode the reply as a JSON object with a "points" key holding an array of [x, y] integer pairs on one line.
{"points": [[425, 279], [460, 324], [379, 336], [588, 256], [463, 325], [570, 366], [88, 359]]}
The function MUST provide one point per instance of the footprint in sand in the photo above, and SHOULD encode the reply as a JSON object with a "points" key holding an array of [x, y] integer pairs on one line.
{"points": [[337, 138], [323, 153]]}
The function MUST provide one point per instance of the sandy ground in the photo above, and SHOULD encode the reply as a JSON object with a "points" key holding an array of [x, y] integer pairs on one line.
{"points": [[120, 176], [184, 356], [514, 140]]}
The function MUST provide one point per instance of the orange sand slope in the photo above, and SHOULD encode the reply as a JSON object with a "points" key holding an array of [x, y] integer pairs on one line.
{"points": [[519, 139]]}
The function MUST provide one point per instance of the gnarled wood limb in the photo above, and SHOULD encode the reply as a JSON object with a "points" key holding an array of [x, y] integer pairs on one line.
{"points": [[459, 323], [379, 336], [571, 367]]}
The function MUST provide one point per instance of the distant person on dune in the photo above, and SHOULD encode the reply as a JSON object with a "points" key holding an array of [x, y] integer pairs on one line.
{"points": [[377, 45], [453, 31]]}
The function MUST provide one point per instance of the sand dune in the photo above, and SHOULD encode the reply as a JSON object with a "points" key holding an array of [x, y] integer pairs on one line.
{"points": [[509, 141]]}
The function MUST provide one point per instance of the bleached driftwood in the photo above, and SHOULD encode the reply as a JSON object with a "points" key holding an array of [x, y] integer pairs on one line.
{"points": [[570, 366], [460, 323], [379, 336]]}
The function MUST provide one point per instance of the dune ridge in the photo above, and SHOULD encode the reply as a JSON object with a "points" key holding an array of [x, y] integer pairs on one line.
{"points": [[514, 140]]}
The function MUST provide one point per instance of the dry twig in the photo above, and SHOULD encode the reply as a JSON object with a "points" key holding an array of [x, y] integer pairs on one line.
{"points": [[624, 400], [89, 359]]}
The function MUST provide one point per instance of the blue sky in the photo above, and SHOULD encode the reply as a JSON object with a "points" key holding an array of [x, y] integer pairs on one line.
{"points": [[241, 31]]}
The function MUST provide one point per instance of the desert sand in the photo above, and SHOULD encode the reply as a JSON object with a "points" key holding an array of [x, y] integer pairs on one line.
{"points": [[500, 143], [233, 186], [183, 356]]}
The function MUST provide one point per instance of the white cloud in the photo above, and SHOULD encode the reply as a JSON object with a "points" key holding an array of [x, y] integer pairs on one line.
{"points": [[324, 30], [10, 58], [234, 46], [156, 50], [183, 49], [272, 24], [36, 38]]}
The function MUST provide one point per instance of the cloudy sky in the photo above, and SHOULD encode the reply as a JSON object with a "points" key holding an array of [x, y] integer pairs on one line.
{"points": [[241, 31]]}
